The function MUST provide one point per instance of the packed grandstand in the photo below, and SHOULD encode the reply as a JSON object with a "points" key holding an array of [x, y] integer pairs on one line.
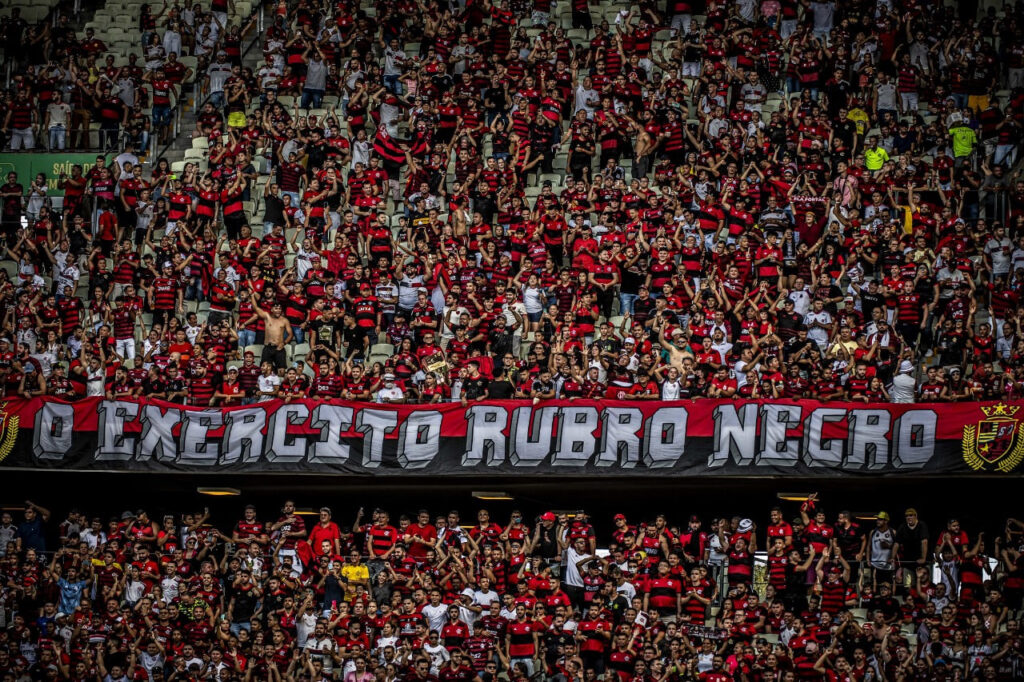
{"points": [[424, 202], [802, 594]]}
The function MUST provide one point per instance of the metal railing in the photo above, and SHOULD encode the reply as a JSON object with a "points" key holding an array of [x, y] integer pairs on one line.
{"points": [[199, 96], [53, 17]]}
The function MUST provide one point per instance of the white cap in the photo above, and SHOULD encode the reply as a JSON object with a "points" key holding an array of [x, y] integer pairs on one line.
{"points": [[906, 367]]}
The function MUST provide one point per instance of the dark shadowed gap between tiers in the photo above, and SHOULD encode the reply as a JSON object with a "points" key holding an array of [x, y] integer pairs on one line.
{"points": [[978, 502]]}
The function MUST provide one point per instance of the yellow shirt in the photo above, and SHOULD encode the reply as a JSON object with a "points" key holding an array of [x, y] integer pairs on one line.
{"points": [[353, 574], [850, 346], [964, 140], [875, 158], [860, 119]]}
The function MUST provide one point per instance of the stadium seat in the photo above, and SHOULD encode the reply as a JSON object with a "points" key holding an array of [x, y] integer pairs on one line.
{"points": [[382, 349], [190, 63], [373, 359]]}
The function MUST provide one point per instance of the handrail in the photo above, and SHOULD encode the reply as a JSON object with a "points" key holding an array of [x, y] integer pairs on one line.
{"points": [[197, 88], [52, 17]]}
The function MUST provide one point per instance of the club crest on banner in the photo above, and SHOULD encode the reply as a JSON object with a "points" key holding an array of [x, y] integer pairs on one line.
{"points": [[995, 441], [8, 432]]}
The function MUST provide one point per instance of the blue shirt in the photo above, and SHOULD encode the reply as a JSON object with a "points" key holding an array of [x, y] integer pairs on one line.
{"points": [[31, 534], [70, 593]]}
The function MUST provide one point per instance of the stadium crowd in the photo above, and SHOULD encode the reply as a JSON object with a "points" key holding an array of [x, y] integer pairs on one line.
{"points": [[431, 599], [424, 201]]}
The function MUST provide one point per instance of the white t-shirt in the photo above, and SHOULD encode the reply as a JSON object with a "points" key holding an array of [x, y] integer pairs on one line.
{"points": [[385, 290], [572, 572], [485, 599], [801, 301], [218, 74], [170, 588], [904, 389], [324, 645], [670, 390], [999, 251], [533, 299], [149, 662], [59, 112], [817, 334], [388, 394], [393, 62], [68, 277], [438, 657], [304, 627], [268, 76], [94, 382], [436, 616], [267, 384], [583, 99], [881, 549], [718, 554]]}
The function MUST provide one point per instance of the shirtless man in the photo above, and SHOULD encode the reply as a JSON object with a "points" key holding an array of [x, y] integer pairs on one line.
{"points": [[278, 333], [642, 150], [677, 348]]}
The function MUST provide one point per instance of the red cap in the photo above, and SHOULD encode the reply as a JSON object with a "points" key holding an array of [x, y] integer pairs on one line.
{"points": [[619, 516], [547, 516]]}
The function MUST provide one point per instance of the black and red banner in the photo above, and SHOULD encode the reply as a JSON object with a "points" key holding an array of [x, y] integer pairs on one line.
{"points": [[561, 437]]}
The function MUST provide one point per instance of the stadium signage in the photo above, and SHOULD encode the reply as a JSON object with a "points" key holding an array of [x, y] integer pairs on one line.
{"points": [[618, 437]]}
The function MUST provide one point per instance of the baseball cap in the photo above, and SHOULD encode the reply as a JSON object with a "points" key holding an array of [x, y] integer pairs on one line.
{"points": [[619, 516], [884, 516], [547, 516]]}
